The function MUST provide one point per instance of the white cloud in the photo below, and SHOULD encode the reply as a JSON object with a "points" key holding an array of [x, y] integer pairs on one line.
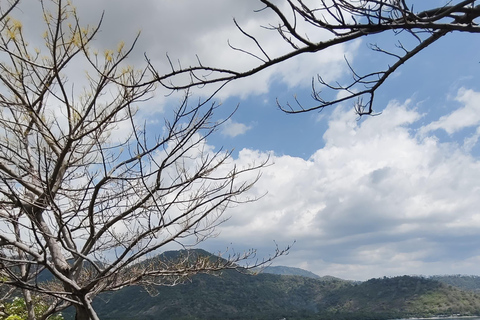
{"points": [[376, 200], [471, 141], [232, 129], [464, 117], [202, 29]]}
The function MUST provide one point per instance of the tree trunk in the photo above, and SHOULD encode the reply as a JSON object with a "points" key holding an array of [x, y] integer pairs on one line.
{"points": [[29, 305], [81, 313], [85, 311]]}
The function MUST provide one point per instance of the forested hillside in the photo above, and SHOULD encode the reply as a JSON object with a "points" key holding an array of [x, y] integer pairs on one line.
{"points": [[289, 271], [399, 297], [233, 295], [471, 283], [242, 295]]}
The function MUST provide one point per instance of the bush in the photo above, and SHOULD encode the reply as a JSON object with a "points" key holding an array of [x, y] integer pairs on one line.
{"points": [[17, 310]]}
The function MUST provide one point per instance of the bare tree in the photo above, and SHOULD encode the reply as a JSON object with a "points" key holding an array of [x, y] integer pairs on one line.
{"points": [[344, 21], [87, 195]]}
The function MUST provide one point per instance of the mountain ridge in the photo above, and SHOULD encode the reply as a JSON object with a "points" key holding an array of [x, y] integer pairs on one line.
{"points": [[234, 295], [289, 271]]}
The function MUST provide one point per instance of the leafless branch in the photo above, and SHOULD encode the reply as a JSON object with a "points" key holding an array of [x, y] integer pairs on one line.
{"points": [[86, 203], [345, 21]]}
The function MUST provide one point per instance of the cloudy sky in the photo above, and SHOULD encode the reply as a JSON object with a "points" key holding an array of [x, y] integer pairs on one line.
{"points": [[389, 195]]}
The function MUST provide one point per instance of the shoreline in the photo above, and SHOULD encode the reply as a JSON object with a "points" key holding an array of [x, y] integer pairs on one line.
{"points": [[447, 317]]}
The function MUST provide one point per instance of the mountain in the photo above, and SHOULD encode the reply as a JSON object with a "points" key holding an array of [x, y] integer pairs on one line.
{"points": [[289, 271], [400, 297], [464, 282], [232, 295], [292, 294], [267, 296]]}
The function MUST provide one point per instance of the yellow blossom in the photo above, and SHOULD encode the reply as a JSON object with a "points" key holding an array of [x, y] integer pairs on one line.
{"points": [[11, 34], [127, 69], [17, 24], [108, 55], [120, 46], [76, 39]]}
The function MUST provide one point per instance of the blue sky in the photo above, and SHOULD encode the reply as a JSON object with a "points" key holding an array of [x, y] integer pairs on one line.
{"points": [[389, 195]]}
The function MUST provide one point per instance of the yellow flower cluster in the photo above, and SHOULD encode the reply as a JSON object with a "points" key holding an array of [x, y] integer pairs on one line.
{"points": [[14, 27], [109, 55]]}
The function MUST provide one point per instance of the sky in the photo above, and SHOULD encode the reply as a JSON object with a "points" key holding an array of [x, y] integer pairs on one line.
{"points": [[394, 194]]}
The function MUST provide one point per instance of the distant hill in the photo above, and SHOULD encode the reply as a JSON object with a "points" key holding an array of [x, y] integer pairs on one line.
{"points": [[266, 296], [289, 271], [400, 297], [233, 295], [470, 283]]}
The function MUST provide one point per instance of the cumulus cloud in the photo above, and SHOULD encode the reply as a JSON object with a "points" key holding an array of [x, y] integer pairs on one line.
{"points": [[232, 129], [466, 116], [376, 200], [471, 141], [201, 30]]}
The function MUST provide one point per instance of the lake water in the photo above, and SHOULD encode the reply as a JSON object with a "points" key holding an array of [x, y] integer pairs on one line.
{"points": [[448, 318]]}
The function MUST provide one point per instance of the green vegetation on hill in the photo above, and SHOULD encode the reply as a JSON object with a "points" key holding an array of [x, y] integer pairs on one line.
{"points": [[471, 283], [401, 297], [230, 296], [267, 296], [289, 271], [234, 295]]}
